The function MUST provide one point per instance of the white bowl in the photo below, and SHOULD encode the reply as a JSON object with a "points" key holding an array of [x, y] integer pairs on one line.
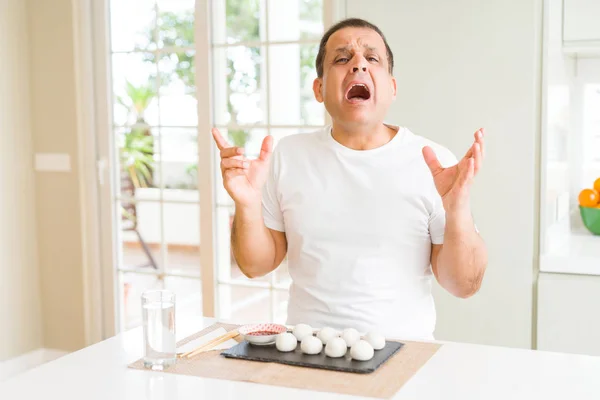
{"points": [[261, 334]]}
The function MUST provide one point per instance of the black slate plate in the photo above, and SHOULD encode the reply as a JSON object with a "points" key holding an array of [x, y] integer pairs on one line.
{"points": [[247, 351]]}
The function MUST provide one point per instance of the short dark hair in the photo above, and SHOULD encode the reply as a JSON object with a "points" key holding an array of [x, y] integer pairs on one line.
{"points": [[350, 23]]}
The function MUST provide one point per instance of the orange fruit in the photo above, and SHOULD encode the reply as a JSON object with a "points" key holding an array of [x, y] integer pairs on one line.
{"points": [[589, 198], [597, 185]]}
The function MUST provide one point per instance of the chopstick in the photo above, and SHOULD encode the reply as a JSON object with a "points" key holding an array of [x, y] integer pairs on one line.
{"points": [[216, 341]]}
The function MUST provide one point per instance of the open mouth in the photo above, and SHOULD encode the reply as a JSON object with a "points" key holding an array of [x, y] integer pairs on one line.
{"points": [[358, 92]]}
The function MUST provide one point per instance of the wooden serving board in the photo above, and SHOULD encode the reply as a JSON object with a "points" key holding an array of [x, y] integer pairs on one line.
{"points": [[269, 353]]}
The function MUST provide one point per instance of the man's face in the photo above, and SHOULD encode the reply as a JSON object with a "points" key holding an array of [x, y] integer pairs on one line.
{"points": [[356, 86]]}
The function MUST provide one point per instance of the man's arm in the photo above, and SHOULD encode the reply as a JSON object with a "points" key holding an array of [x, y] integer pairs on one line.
{"points": [[257, 249], [459, 264]]}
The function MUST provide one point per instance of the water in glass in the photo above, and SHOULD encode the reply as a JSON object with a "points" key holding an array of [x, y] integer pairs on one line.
{"points": [[158, 315]]}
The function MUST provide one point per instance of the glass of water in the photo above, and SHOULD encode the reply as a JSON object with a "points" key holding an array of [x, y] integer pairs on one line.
{"points": [[158, 318]]}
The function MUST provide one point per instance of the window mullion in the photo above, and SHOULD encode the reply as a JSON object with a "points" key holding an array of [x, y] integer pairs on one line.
{"points": [[268, 98], [156, 52]]}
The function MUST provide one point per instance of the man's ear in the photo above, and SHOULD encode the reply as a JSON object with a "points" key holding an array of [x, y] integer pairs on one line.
{"points": [[318, 89], [394, 88]]}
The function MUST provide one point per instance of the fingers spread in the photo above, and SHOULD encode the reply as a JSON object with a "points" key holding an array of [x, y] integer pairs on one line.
{"points": [[480, 140], [219, 139], [227, 163], [232, 152], [267, 148], [432, 161], [477, 157], [467, 173]]}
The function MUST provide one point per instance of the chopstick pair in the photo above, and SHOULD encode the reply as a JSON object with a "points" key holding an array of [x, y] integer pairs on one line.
{"points": [[209, 345]]}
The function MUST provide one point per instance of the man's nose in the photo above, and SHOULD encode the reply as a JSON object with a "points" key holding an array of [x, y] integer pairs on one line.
{"points": [[359, 64]]}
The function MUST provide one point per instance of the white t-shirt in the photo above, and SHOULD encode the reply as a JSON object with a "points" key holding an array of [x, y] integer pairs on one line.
{"points": [[359, 227]]}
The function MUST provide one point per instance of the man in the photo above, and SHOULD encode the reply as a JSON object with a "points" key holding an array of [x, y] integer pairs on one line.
{"points": [[366, 211]]}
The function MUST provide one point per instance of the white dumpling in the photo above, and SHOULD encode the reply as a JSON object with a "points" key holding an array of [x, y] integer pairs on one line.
{"points": [[326, 334], [286, 342], [376, 340], [336, 347], [362, 351], [311, 345], [302, 330], [350, 336]]}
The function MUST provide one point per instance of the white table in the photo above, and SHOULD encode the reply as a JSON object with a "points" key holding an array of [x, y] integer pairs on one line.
{"points": [[456, 371]]}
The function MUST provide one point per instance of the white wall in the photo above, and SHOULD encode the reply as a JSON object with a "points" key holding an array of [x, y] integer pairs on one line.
{"points": [[58, 203], [461, 65], [20, 326]]}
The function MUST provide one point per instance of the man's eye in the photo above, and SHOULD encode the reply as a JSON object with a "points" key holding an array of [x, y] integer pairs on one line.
{"points": [[373, 59], [343, 59]]}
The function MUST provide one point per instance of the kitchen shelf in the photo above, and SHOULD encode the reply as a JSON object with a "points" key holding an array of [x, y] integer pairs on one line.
{"points": [[576, 253]]}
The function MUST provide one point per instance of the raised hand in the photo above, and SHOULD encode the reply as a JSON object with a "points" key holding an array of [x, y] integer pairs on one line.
{"points": [[454, 183], [242, 178]]}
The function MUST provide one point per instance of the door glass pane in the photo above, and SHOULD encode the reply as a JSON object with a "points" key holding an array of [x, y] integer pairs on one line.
{"points": [[132, 25], [291, 73], [138, 215], [140, 244], [244, 304], [135, 89], [132, 286], [181, 224], [188, 297], [178, 105], [178, 166], [136, 159], [156, 148], [237, 21], [280, 304], [175, 23], [295, 20], [239, 82]]}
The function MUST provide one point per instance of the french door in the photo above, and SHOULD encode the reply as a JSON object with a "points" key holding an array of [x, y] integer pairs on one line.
{"points": [[170, 70]]}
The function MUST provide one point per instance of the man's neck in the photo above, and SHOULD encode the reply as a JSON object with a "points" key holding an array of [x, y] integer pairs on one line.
{"points": [[362, 137]]}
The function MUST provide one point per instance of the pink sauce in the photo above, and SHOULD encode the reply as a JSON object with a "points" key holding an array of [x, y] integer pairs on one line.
{"points": [[262, 333]]}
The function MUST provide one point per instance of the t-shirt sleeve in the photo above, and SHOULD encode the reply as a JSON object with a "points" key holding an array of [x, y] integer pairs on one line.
{"points": [[271, 208], [437, 219]]}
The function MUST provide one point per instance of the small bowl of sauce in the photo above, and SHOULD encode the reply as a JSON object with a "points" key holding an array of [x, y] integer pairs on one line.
{"points": [[261, 334]]}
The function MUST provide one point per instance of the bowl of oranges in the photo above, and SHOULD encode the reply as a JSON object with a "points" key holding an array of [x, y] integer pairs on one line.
{"points": [[589, 207]]}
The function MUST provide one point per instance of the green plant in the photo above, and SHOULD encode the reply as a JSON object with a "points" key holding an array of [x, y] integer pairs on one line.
{"points": [[137, 157], [192, 170], [137, 150], [238, 137], [174, 30], [138, 98]]}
